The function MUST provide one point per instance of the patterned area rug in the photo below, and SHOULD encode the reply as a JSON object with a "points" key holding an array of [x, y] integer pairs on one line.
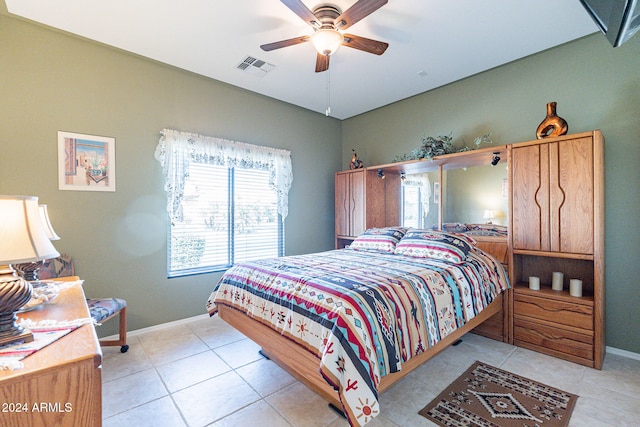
{"points": [[485, 396]]}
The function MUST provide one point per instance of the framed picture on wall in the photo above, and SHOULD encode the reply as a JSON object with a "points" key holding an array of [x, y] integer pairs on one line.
{"points": [[86, 162]]}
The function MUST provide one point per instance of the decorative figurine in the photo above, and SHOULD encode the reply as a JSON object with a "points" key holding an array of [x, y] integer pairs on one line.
{"points": [[355, 163], [552, 125]]}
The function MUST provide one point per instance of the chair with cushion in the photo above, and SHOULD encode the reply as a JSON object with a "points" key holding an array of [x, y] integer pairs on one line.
{"points": [[103, 309], [100, 309]]}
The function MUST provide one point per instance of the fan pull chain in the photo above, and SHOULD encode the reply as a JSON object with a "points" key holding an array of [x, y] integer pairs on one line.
{"points": [[328, 110]]}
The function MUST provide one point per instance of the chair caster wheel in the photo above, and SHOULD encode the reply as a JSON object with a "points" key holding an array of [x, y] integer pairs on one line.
{"points": [[124, 348]]}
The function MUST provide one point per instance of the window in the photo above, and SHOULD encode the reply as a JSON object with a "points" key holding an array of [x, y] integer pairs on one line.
{"points": [[416, 190], [411, 206], [226, 201]]}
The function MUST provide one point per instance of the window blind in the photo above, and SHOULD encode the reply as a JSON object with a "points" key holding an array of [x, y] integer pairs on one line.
{"points": [[229, 216]]}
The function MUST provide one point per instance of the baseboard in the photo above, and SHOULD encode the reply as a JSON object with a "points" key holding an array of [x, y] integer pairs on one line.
{"points": [[623, 353], [158, 327]]}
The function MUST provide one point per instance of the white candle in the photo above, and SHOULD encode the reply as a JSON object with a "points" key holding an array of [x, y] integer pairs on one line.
{"points": [[534, 283], [575, 287], [556, 281]]}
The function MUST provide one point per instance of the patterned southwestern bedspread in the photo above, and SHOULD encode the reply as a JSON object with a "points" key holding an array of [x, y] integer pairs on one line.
{"points": [[363, 314]]}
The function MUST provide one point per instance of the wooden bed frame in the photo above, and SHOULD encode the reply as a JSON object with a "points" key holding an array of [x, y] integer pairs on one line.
{"points": [[305, 366]]}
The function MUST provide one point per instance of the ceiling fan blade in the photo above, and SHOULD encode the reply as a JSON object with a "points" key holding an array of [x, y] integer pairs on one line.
{"points": [[302, 11], [359, 10], [284, 43], [365, 44], [322, 63]]}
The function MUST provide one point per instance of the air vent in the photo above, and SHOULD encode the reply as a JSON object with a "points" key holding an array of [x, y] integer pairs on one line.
{"points": [[254, 66]]}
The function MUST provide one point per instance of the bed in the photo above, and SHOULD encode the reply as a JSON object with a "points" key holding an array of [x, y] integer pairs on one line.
{"points": [[351, 322]]}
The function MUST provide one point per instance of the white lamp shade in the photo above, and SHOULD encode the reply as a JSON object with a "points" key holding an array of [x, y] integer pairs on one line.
{"points": [[46, 222], [327, 41], [489, 214], [22, 236]]}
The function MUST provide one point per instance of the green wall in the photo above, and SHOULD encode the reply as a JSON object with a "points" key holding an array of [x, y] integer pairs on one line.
{"points": [[51, 81], [595, 86]]}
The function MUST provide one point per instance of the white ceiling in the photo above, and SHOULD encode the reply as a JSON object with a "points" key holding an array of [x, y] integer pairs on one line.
{"points": [[431, 42]]}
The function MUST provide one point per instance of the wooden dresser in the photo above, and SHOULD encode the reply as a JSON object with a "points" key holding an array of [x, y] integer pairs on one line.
{"points": [[60, 385]]}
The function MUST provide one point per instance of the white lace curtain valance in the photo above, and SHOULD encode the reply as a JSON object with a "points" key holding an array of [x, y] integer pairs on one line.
{"points": [[177, 150]]}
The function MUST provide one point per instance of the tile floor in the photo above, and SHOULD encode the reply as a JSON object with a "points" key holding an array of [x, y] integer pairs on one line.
{"points": [[204, 373]]}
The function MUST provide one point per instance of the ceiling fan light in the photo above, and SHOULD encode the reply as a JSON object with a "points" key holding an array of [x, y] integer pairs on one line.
{"points": [[327, 41]]}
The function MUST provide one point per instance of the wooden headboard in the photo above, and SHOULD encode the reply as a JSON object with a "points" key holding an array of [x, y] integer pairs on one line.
{"points": [[494, 245]]}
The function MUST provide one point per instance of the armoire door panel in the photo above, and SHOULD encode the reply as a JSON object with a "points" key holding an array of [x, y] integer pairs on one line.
{"points": [[357, 203], [342, 205], [556, 197], [529, 198], [544, 196], [575, 211]]}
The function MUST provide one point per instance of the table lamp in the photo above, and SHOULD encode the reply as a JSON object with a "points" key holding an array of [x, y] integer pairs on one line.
{"points": [[30, 270], [22, 239], [489, 215]]}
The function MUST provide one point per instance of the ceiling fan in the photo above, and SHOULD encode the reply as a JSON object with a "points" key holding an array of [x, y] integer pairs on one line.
{"points": [[328, 22]]}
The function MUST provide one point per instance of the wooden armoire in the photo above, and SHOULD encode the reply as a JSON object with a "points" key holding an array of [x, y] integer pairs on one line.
{"points": [[365, 200], [557, 225]]}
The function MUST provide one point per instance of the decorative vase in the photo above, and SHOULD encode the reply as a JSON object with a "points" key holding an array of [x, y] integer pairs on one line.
{"points": [[355, 163], [552, 125]]}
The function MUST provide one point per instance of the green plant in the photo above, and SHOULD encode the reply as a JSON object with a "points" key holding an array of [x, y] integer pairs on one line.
{"points": [[484, 139], [478, 141], [429, 148]]}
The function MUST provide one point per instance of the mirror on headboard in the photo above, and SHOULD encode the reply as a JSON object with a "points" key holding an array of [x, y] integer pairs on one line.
{"points": [[420, 199], [476, 195], [471, 195], [469, 187]]}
